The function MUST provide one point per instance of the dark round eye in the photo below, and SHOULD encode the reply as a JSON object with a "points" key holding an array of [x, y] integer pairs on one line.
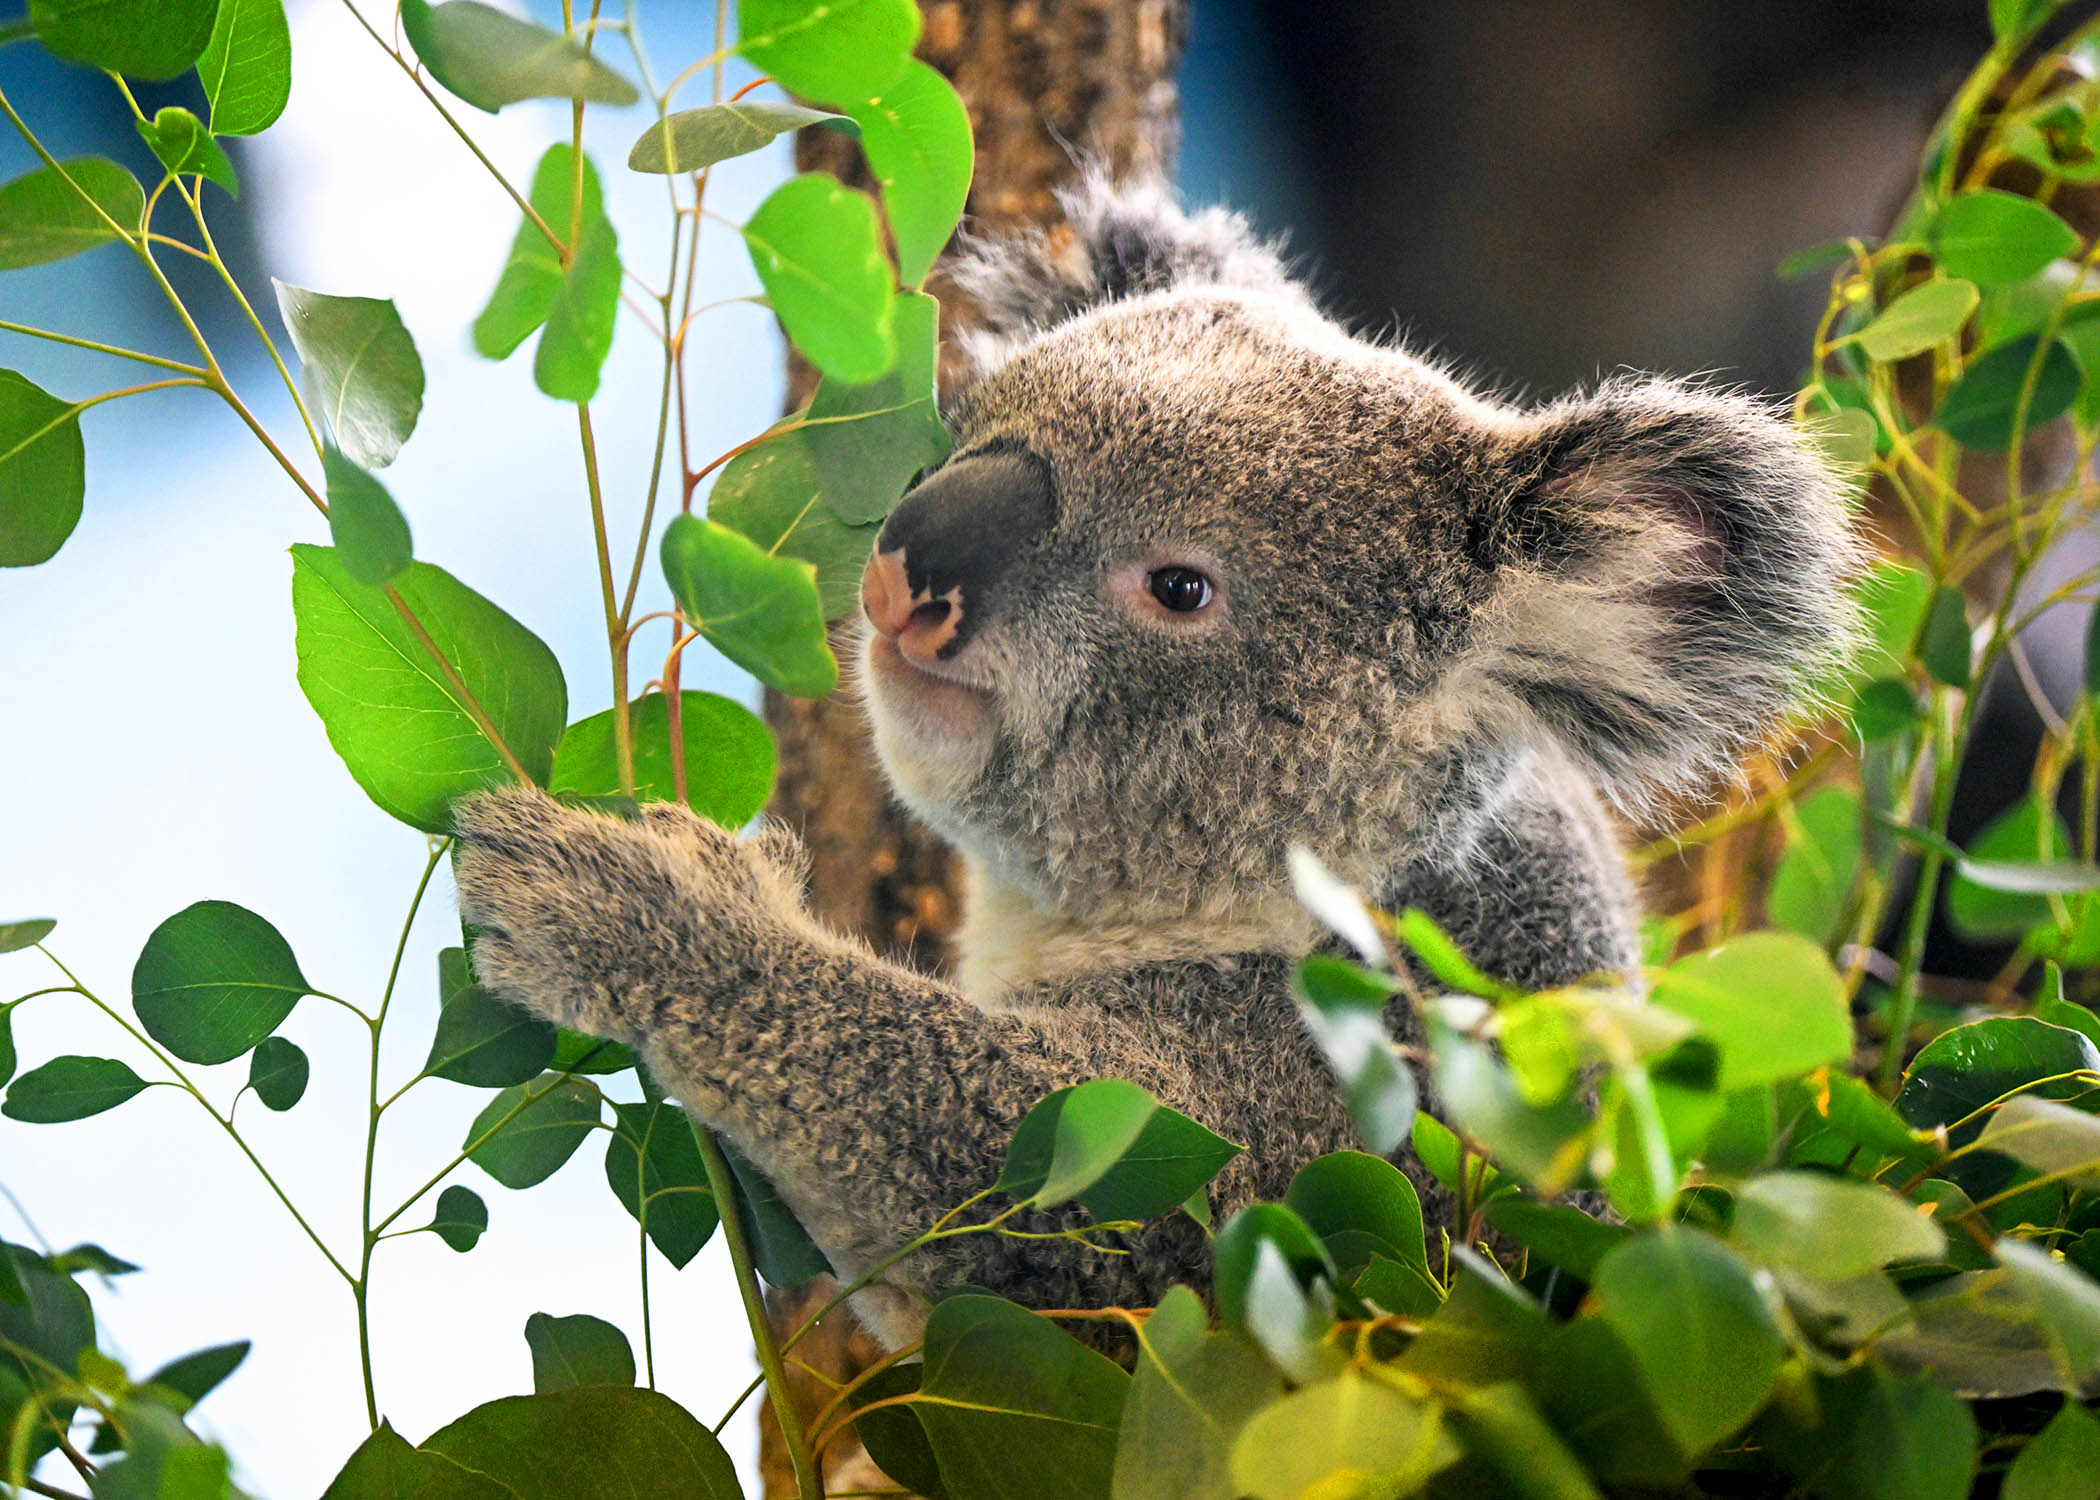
{"points": [[1182, 590]]}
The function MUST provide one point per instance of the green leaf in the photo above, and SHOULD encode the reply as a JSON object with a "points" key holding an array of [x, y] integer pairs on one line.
{"points": [[1945, 645], [652, 1156], [1928, 314], [1555, 1233], [599, 1442], [1001, 1382], [277, 1071], [759, 610], [1885, 709], [1826, 255], [483, 1041], [2051, 1006], [1343, 1007], [55, 212], [246, 68], [1115, 1148], [729, 756], [576, 1053], [1993, 238], [1986, 910], [1442, 957], [894, 1436], [195, 1376], [2066, 1303], [70, 1088], [7, 1044], [1698, 1328], [1824, 851], [1827, 1227], [917, 137], [1353, 1435], [1894, 598], [780, 1247], [179, 139], [155, 39], [363, 365], [1192, 1392], [1503, 1425], [1596, 1395], [770, 494], [2054, 1139], [576, 1351], [531, 1129], [1769, 1000], [2011, 20], [91, 1258], [461, 1218], [370, 534], [491, 59], [214, 980], [1881, 1437], [1985, 403], [1962, 1070], [46, 1324], [834, 51], [15, 936], [43, 471], [818, 252], [579, 331], [391, 711], [868, 441], [1487, 1330], [532, 276], [384, 1467], [1546, 1145], [1360, 1205], [693, 139], [2060, 1461], [1237, 1251]]}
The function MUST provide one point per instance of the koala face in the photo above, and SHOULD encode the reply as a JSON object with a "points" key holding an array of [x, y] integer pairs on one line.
{"points": [[1206, 576]]}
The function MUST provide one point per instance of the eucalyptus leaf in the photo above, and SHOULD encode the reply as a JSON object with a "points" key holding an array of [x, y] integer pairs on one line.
{"points": [[1994, 393], [1993, 237], [1825, 846], [652, 1162], [2060, 1461], [43, 472], [481, 1040], [364, 366], [2052, 1138], [179, 139], [818, 252], [868, 441], [576, 1351], [916, 134], [532, 276], [771, 494], [15, 936], [213, 981], [526, 1132], [780, 1247], [1191, 1392], [832, 51], [1366, 1431], [758, 609], [61, 210], [1945, 645], [692, 140], [1115, 1148], [461, 1218], [152, 39], [1360, 1205], [1928, 314], [1770, 1001], [1343, 1007], [596, 1442], [491, 58], [1992, 909], [1824, 1226], [246, 68], [580, 320], [277, 1071], [729, 756], [371, 535], [70, 1088], [385, 1467]]}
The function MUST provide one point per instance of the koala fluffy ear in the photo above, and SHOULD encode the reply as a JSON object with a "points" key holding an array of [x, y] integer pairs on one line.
{"points": [[1120, 239], [1670, 566]]}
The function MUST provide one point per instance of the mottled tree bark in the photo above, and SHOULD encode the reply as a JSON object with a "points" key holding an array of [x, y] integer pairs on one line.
{"points": [[1050, 84]]}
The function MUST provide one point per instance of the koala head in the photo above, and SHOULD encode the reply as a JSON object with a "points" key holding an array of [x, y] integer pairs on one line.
{"points": [[1206, 576]]}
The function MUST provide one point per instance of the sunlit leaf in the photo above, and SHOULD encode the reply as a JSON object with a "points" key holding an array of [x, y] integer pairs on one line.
{"points": [[2051, 1138], [759, 610], [833, 51], [179, 139], [364, 366], [214, 980], [580, 320], [1353, 1435], [490, 58], [371, 535], [1993, 237], [818, 251], [729, 756], [58, 211], [1826, 1226], [15, 936], [770, 494], [868, 441], [1770, 1001], [1927, 314], [1192, 1391], [43, 472], [692, 139], [916, 134], [153, 39], [246, 69], [525, 292], [1115, 1148], [1814, 878]]}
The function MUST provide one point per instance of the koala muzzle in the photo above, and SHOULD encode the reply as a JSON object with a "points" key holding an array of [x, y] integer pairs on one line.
{"points": [[934, 577]]}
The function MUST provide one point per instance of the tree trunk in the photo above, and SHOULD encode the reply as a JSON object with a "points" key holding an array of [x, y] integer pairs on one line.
{"points": [[1050, 84]]}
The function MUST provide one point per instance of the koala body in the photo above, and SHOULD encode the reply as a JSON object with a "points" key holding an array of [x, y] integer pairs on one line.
{"points": [[1205, 577]]}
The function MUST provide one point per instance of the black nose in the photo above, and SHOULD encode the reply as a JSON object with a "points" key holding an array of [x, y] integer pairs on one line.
{"points": [[957, 535]]}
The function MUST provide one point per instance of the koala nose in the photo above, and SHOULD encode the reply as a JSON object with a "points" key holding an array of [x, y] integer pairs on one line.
{"points": [[934, 577]]}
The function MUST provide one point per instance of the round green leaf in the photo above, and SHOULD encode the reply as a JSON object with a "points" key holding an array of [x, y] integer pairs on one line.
{"points": [[693, 139], [529, 1130], [1985, 913], [1343, 1007], [246, 68], [1980, 411], [461, 1218], [483, 1041], [1698, 1329], [1190, 1395], [154, 39], [771, 494], [70, 1088], [371, 535], [1555, 1233], [1769, 1000], [869, 441], [833, 51], [532, 277], [364, 366], [1236, 1249], [179, 139], [43, 472], [1112, 1146], [384, 1467], [389, 707], [2051, 1138], [1925, 315], [581, 319], [55, 212], [818, 252], [27, 934], [1360, 1205], [277, 1071], [2060, 1461], [1963, 1069], [1993, 237], [1885, 709], [213, 981], [759, 610], [490, 58], [652, 1158], [572, 1352], [1353, 1435], [1814, 878], [729, 756], [1828, 1227], [917, 137], [1001, 1383], [598, 1442], [1945, 645]]}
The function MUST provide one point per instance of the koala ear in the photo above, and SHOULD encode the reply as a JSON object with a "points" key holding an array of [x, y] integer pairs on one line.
{"points": [[1670, 566], [1120, 239]]}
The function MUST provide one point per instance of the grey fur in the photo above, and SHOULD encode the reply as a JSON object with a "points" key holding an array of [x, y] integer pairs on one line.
{"points": [[1442, 621]]}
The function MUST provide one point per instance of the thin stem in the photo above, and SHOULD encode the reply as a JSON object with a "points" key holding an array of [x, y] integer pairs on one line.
{"points": [[93, 401], [807, 1484], [110, 349], [615, 627]]}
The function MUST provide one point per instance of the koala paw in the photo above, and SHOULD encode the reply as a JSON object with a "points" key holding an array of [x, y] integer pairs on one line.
{"points": [[598, 923]]}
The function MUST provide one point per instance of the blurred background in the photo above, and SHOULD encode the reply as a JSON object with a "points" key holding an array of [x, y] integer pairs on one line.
{"points": [[1539, 191]]}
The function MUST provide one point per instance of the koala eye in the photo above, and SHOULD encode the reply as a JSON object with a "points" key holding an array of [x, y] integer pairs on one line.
{"points": [[1182, 590]]}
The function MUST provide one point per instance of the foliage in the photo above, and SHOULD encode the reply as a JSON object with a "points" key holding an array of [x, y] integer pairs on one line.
{"points": [[1825, 1239]]}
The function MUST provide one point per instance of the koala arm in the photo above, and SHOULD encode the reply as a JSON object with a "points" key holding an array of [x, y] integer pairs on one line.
{"points": [[874, 1098]]}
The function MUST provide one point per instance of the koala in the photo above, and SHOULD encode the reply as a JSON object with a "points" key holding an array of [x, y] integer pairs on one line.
{"points": [[1205, 577]]}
